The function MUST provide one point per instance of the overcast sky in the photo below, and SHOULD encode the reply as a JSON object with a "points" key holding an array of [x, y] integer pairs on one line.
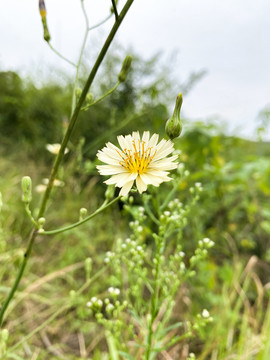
{"points": [[230, 39]]}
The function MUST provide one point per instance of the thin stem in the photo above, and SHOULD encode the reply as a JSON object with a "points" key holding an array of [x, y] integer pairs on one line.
{"points": [[100, 23], [60, 55], [19, 275], [102, 97], [80, 57], [78, 223], [115, 10], [154, 300], [29, 214], [60, 155], [170, 195]]}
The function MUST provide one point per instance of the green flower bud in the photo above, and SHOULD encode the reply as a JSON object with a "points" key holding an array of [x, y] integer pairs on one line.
{"points": [[89, 98], [43, 13], [174, 125], [88, 267], [78, 92], [125, 68], [109, 193], [41, 222], [27, 189], [4, 335], [46, 34], [83, 213]]}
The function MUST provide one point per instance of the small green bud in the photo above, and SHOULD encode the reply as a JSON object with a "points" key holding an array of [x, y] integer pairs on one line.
{"points": [[109, 193], [174, 125], [125, 68], [89, 98], [112, 11], [41, 221], [4, 335], [72, 295], [88, 267], [78, 92], [46, 34], [27, 189], [83, 213]]}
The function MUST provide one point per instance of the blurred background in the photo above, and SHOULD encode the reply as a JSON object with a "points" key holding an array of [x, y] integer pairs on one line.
{"points": [[227, 42]]}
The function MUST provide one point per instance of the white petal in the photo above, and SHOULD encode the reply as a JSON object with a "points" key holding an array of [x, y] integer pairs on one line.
{"points": [[169, 159], [117, 155], [123, 142], [116, 178], [164, 151], [153, 141], [151, 179], [125, 189], [164, 166], [146, 136], [136, 135], [111, 169], [123, 181], [140, 185], [107, 159]]}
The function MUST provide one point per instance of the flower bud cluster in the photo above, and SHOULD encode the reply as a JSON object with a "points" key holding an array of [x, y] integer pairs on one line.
{"points": [[202, 320], [108, 311], [173, 219], [202, 251], [109, 256]]}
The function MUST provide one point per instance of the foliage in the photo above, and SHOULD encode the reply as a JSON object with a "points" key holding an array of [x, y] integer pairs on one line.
{"points": [[140, 280]]}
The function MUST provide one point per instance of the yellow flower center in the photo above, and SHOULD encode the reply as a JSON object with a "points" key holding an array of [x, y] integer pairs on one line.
{"points": [[137, 160]]}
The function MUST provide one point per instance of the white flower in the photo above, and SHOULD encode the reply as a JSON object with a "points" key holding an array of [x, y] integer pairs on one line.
{"points": [[141, 160], [54, 148]]}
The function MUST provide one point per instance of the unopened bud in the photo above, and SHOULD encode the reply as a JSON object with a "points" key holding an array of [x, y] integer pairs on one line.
{"points": [[125, 68], [43, 13], [89, 98], [4, 335], [112, 11], [83, 213], [174, 125], [41, 222], [27, 189], [88, 267], [109, 193], [78, 92]]}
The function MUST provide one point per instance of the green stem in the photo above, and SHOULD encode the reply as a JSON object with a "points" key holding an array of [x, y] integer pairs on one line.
{"points": [[78, 223], [19, 275], [60, 155], [154, 301], [115, 10], [100, 23], [170, 195], [29, 214], [102, 97], [80, 58], [60, 55]]}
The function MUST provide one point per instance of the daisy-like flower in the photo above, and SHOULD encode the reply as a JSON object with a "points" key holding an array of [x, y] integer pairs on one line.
{"points": [[143, 160]]}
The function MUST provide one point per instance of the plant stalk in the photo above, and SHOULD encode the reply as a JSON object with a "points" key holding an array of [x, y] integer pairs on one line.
{"points": [[60, 155]]}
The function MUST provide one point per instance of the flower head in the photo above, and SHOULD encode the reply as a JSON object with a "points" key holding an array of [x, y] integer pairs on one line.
{"points": [[139, 159]]}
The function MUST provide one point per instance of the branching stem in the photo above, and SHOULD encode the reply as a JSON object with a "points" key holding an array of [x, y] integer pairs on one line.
{"points": [[60, 155]]}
